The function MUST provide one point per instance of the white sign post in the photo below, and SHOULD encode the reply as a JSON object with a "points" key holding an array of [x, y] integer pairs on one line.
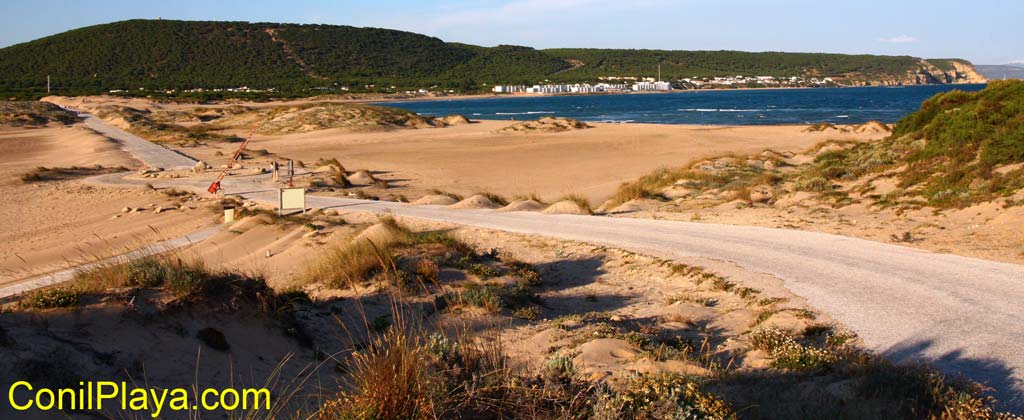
{"points": [[291, 199]]}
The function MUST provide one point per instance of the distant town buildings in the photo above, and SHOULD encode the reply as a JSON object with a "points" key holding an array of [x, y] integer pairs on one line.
{"points": [[608, 84], [584, 88], [650, 84], [763, 81], [242, 89]]}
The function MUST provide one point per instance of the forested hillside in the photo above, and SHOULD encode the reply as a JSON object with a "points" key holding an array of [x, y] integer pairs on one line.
{"points": [[305, 59], [720, 63]]}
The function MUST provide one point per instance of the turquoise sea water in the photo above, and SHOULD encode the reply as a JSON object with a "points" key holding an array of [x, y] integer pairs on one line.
{"points": [[716, 107]]}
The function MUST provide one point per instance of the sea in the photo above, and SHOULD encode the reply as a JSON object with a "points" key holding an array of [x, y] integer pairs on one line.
{"points": [[852, 105]]}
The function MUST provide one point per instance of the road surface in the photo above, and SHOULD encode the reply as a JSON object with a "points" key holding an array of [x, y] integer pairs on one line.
{"points": [[966, 315], [153, 155]]}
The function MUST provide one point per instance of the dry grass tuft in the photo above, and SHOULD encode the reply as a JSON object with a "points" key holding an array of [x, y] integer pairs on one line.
{"points": [[495, 198], [580, 201], [530, 196], [44, 173], [356, 260], [454, 196]]}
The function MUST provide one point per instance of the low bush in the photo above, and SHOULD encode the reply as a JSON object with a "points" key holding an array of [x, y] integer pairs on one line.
{"points": [[667, 396], [53, 297]]}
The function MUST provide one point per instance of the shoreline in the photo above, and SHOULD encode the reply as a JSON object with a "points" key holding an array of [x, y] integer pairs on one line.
{"points": [[674, 91], [383, 101], [517, 110]]}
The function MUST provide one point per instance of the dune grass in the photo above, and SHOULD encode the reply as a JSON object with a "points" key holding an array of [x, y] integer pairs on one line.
{"points": [[495, 198], [452, 195], [736, 177], [33, 113], [530, 196], [580, 201], [332, 162], [949, 150], [44, 173], [184, 279], [355, 261]]}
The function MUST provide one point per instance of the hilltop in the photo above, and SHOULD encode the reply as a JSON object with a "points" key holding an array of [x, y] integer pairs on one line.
{"points": [[300, 60]]}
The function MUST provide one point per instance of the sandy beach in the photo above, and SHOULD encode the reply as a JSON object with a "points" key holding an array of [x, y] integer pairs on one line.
{"points": [[473, 158]]}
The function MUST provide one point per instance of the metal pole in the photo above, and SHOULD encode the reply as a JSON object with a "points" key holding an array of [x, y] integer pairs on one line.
{"points": [[291, 173]]}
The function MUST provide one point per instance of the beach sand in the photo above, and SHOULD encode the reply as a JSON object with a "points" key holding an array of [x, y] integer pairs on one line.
{"points": [[473, 158], [51, 225]]}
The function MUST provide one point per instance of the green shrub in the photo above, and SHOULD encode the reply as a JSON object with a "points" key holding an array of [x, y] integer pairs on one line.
{"points": [[483, 271], [787, 353], [486, 296], [145, 272], [54, 297], [560, 367], [813, 184], [668, 395], [529, 313]]}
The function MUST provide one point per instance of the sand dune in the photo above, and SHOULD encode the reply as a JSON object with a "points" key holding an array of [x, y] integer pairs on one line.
{"points": [[469, 158], [54, 224], [476, 201], [523, 205]]}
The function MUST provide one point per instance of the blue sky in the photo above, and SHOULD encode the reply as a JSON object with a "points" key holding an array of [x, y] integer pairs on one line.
{"points": [[983, 31]]}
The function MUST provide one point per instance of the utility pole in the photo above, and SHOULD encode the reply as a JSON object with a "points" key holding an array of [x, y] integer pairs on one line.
{"points": [[47, 83]]}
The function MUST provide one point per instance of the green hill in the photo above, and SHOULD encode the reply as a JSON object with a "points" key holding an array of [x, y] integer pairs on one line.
{"points": [[722, 63], [303, 59]]}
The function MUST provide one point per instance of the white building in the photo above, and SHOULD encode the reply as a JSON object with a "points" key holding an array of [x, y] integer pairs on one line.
{"points": [[508, 88], [651, 86]]}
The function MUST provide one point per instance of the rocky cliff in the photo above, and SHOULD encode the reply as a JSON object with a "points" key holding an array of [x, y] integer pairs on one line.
{"points": [[948, 71], [927, 72]]}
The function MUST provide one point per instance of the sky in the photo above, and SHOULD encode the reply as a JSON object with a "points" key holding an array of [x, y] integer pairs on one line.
{"points": [[983, 31]]}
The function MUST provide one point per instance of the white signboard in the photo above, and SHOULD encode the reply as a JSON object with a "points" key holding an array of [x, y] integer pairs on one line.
{"points": [[291, 199]]}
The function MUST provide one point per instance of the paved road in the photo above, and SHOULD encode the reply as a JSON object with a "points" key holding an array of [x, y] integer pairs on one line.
{"points": [[964, 314], [153, 155]]}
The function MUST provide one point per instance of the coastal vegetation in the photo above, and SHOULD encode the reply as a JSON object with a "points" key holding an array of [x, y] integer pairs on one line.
{"points": [[33, 113], [192, 125], [209, 60], [959, 149]]}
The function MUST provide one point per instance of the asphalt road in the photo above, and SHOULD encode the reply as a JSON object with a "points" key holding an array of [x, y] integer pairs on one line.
{"points": [[965, 315]]}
